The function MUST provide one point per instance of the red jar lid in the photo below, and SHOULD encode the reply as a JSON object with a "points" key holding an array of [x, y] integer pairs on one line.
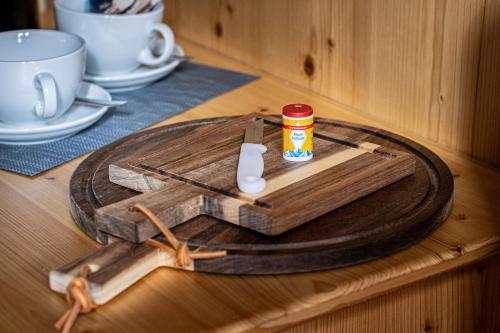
{"points": [[297, 110]]}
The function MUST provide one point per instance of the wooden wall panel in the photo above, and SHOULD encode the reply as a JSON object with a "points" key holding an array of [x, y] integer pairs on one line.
{"points": [[429, 67], [461, 301]]}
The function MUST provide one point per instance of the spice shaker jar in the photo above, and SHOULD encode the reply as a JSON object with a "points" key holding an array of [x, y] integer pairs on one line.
{"points": [[297, 123]]}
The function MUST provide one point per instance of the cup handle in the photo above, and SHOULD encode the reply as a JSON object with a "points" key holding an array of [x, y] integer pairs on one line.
{"points": [[146, 56], [47, 107]]}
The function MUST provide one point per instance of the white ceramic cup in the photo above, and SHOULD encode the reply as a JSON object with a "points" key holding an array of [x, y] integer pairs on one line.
{"points": [[40, 72], [116, 44]]}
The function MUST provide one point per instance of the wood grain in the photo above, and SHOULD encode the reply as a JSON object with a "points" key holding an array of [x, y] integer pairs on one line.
{"points": [[428, 67], [38, 234]]}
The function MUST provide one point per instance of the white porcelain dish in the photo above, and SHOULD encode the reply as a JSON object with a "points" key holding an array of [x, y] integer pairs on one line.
{"points": [[77, 118], [138, 78]]}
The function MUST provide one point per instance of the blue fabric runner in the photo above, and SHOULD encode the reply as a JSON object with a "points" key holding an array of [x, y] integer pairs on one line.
{"points": [[189, 85]]}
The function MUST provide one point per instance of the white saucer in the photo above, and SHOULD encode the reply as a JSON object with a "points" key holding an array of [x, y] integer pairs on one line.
{"points": [[138, 78], [77, 118]]}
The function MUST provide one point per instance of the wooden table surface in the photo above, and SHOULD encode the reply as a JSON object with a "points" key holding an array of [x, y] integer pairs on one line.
{"points": [[38, 234]]}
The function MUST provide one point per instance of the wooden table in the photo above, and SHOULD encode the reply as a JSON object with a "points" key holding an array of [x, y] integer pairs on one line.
{"points": [[447, 283]]}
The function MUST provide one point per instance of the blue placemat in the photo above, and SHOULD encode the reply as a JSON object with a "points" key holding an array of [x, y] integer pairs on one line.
{"points": [[189, 85]]}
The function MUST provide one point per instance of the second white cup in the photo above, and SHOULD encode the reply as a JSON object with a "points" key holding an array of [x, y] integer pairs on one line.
{"points": [[116, 44]]}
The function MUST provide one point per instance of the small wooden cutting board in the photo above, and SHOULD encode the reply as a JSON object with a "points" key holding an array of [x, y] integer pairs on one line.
{"points": [[196, 175]]}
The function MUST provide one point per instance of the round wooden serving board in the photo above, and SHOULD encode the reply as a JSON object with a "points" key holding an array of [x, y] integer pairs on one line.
{"points": [[379, 224]]}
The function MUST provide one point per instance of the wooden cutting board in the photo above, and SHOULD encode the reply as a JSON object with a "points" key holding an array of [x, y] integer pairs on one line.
{"points": [[373, 226], [196, 175]]}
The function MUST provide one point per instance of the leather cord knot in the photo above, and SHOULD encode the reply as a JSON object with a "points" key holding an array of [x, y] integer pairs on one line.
{"points": [[78, 299], [182, 257], [179, 250]]}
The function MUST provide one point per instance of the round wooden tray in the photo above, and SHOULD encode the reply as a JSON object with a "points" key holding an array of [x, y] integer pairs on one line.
{"points": [[379, 224]]}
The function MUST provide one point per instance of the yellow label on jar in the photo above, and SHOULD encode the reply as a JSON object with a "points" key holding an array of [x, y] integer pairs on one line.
{"points": [[297, 138]]}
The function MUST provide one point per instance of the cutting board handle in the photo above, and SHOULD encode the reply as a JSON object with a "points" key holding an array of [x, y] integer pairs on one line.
{"points": [[115, 267], [173, 204]]}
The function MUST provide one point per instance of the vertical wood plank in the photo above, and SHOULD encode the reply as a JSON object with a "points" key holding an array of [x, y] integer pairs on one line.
{"points": [[398, 63], [489, 317], [336, 40], [486, 130], [459, 73]]}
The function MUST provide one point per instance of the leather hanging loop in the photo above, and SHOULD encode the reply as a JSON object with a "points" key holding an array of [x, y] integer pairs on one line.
{"points": [[183, 256]]}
